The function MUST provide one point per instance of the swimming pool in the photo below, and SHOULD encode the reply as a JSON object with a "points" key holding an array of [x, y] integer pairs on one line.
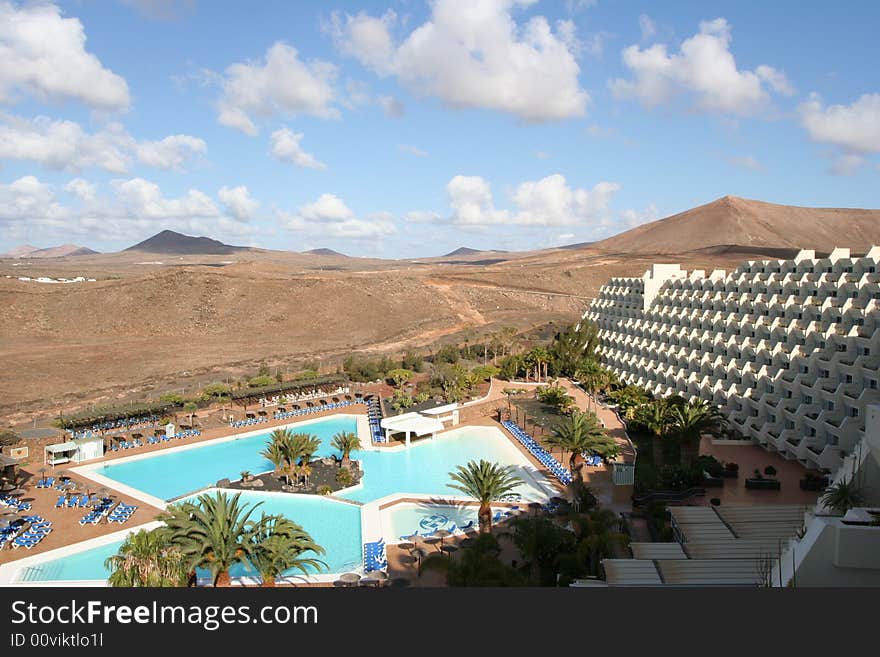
{"points": [[421, 469], [170, 474], [340, 527], [334, 525], [407, 518]]}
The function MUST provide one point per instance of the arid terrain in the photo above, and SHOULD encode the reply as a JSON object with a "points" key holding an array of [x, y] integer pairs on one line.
{"points": [[175, 317]]}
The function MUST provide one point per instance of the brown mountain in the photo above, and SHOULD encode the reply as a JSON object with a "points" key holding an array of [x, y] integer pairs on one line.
{"points": [[28, 251], [325, 252], [732, 222], [169, 242]]}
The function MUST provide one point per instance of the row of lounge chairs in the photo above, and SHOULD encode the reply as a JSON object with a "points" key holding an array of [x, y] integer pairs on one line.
{"points": [[124, 424], [374, 556], [155, 440], [236, 424], [75, 501], [313, 409], [37, 529], [120, 514], [546, 459], [592, 459], [374, 415], [11, 502], [46, 482]]}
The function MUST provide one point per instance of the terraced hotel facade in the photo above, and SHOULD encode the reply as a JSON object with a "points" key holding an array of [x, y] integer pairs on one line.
{"points": [[789, 349]]}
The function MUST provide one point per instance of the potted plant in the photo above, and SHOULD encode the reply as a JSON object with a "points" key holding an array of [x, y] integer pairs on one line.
{"points": [[731, 470], [770, 471], [715, 501]]}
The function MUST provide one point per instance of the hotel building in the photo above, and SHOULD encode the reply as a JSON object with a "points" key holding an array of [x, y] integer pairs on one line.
{"points": [[788, 349]]}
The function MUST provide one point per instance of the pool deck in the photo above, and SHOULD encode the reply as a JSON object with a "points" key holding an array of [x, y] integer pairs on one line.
{"points": [[68, 536]]}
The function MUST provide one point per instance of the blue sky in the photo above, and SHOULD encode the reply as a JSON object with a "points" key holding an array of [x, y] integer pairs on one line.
{"points": [[404, 129]]}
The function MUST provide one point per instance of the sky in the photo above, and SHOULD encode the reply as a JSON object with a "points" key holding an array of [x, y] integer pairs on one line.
{"points": [[405, 129]]}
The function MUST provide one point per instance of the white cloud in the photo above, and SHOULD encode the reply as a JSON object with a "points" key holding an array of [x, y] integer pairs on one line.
{"points": [[596, 41], [551, 202], [43, 55], [631, 218], [281, 84], [329, 216], [546, 202], [412, 150], [64, 145], [853, 128], [392, 107], [172, 152], [29, 201], [238, 202], [136, 207], [82, 189], [746, 162], [286, 148], [847, 164], [705, 68], [647, 27], [475, 55]]}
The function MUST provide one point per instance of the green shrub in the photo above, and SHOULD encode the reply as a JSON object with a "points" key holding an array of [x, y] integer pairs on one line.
{"points": [[344, 477], [324, 490]]}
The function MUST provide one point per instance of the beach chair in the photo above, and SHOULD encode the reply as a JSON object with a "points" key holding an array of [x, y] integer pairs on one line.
{"points": [[72, 501]]}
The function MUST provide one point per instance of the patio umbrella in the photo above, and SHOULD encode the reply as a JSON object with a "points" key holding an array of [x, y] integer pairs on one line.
{"points": [[17, 491], [43, 470], [441, 534], [406, 546], [449, 549], [349, 578], [376, 577], [466, 542], [9, 514], [420, 553], [416, 538], [7, 486]]}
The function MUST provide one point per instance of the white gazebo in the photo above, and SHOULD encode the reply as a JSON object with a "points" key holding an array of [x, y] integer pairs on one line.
{"points": [[445, 413], [411, 424], [59, 453]]}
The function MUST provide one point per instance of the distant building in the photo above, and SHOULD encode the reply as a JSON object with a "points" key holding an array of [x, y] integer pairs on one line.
{"points": [[788, 349]]}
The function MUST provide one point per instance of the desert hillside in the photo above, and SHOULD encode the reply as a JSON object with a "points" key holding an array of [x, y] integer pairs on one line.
{"points": [[742, 222], [175, 311]]}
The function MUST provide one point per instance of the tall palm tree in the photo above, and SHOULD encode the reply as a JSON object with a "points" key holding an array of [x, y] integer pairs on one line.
{"points": [[145, 559], [280, 545], [590, 374], [303, 446], [214, 533], [276, 455], [485, 482], [346, 442], [690, 421], [656, 416], [582, 432]]}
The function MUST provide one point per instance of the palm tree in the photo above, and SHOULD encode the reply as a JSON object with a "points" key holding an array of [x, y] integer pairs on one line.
{"points": [[485, 482], [346, 442], [690, 421], [279, 546], [303, 446], [275, 454], [582, 432], [144, 559], [590, 374], [214, 533], [656, 416], [842, 496]]}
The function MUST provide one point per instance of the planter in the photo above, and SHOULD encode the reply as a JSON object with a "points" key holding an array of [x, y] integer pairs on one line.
{"points": [[763, 484], [812, 484], [712, 482], [730, 474]]}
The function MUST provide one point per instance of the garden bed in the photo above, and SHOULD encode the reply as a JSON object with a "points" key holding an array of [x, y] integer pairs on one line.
{"points": [[323, 476]]}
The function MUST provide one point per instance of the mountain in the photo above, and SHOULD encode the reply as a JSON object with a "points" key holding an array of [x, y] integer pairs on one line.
{"points": [[733, 222], [465, 251], [171, 243], [579, 245], [28, 251], [325, 252]]}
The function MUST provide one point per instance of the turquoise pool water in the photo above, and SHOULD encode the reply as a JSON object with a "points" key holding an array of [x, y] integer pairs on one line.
{"points": [[173, 474], [408, 518], [423, 468], [336, 526]]}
